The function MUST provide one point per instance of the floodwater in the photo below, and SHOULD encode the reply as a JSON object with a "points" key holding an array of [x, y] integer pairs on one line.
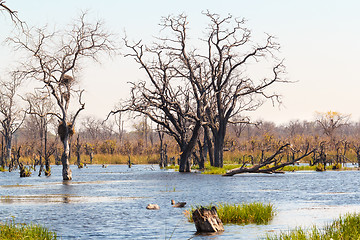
{"points": [[110, 203]]}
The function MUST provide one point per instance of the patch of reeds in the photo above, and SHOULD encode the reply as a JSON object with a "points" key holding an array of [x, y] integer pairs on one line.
{"points": [[2, 169], [244, 213], [15, 231], [344, 228]]}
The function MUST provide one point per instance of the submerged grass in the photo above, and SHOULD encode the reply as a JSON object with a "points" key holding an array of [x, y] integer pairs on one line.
{"points": [[245, 213], [344, 228], [16, 231]]}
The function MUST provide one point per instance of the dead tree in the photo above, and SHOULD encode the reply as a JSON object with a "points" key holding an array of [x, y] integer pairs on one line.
{"points": [[78, 152], [172, 96], [2, 153], [162, 149], [235, 89], [356, 148], [320, 156], [24, 171], [330, 122], [54, 59], [11, 116], [272, 163], [42, 108]]}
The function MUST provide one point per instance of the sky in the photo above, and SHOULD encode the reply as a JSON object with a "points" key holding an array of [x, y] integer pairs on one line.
{"points": [[320, 45]]}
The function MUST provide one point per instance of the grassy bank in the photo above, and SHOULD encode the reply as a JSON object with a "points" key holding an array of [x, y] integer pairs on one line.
{"points": [[16, 231], [244, 213], [344, 228]]}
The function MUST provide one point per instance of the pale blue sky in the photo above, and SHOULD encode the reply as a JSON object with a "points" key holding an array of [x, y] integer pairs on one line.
{"points": [[320, 44]]}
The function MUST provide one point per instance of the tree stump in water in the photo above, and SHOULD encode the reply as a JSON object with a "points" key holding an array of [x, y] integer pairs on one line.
{"points": [[207, 220]]}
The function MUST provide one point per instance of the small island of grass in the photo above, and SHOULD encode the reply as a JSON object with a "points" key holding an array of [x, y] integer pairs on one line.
{"points": [[245, 213]]}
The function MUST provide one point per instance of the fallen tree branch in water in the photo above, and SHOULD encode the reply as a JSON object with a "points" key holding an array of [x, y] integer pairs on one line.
{"points": [[259, 168]]}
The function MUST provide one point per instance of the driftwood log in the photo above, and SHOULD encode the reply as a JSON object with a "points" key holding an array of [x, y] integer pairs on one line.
{"points": [[207, 220]]}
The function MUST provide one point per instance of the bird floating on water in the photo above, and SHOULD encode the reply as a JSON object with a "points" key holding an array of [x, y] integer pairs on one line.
{"points": [[178, 204]]}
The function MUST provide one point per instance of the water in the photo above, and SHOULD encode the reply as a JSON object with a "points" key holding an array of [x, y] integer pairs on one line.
{"points": [[109, 203]]}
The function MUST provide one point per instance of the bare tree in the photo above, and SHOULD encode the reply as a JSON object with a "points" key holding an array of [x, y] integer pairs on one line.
{"points": [[55, 59], [200, 87], [331, 121], [42, 108], [172, 95], [12, 116], [233, 88]]}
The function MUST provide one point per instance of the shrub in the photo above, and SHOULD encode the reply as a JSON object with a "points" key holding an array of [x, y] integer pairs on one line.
{"points": [[320, 167], [337, 166]]}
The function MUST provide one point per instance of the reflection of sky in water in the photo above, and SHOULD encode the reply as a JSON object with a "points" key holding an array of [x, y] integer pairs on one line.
{"points": [[109, 203]]}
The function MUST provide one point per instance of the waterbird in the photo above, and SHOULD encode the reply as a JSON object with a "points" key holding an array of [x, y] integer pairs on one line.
{"points": [[178, 204]]}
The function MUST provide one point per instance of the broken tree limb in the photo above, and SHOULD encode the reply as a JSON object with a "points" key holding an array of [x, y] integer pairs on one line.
{"points": [[258, 168]]}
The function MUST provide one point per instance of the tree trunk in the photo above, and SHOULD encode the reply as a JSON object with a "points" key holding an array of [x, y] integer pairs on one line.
{"points": [[41, 165], [66, 172], [184, 161], [207, 220], [202, 154], [219, 149], [219, 139], [2, 153], [8, 150], [209, 145], [188, 148], [78, 153], [47, 157]]}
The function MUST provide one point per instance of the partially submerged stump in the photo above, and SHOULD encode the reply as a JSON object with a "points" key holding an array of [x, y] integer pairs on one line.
{"points": [[207, 220], [24, 171]]}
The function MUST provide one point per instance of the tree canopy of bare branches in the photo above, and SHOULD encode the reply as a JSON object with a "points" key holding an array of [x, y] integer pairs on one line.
{"points": [[188, 88], [55, 59], [331, 121], [11, 115], [42, 108]]}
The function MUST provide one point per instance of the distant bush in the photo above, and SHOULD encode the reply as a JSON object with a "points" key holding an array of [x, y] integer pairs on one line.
{"points": [[337, 166], [320, 167]]}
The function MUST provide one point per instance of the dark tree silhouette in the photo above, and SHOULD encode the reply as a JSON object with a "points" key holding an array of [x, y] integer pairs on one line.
{"points": [[55, 59]]}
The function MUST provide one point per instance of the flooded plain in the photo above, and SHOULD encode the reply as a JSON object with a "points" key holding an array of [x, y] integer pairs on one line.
{"points": [[110, 203]]}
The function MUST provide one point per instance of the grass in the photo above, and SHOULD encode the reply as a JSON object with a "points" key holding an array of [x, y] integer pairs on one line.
{"points": [[17, 231], [344, 228], [215, 170], [245, 213]]}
